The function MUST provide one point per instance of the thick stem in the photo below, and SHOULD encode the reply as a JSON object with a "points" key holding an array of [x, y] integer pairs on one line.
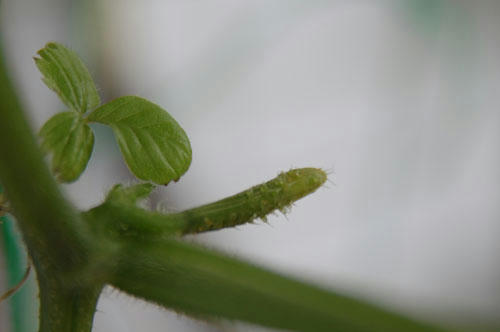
{"points": [[67, 259], [197, 281], [51, 228], [68, 310]]}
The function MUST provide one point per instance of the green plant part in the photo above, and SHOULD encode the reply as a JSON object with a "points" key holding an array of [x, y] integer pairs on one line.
{"points": [[18, 295], [4, 205], [120, 217], [155, 147], [153, 144], [71, 141], [256, 202], [142, 252], [66, 74]]}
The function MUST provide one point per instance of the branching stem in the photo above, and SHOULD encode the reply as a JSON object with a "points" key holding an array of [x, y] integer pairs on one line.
{"points": [[63, 252]]}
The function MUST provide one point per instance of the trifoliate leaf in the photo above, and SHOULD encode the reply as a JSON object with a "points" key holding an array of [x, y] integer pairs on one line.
{"points": [[155, 147], [70, 141], [66, 74]]}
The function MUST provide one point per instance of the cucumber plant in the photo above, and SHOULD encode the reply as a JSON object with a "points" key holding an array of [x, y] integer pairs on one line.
{"points": [[139, 251]]}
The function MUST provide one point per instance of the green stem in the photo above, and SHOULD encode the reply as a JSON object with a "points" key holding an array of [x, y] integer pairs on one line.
{"points": [[67, 259], [197, 281], [120, 216], [66, 310], [51, 228], [256, 202]]}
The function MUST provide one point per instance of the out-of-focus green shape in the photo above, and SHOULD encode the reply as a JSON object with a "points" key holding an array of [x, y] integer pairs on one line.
{"points": [[427, 15], [204, 283], [154, 145], [66, 74], [70, 140], [21, 308]]}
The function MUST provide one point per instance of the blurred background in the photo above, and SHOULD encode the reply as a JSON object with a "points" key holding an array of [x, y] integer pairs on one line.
{"points": [[398, 100]]}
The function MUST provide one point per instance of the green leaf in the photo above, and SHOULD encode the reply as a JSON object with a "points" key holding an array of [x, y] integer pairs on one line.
{"points": [[155, 147], [201, 282], [70, 141], [66, 74]]}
